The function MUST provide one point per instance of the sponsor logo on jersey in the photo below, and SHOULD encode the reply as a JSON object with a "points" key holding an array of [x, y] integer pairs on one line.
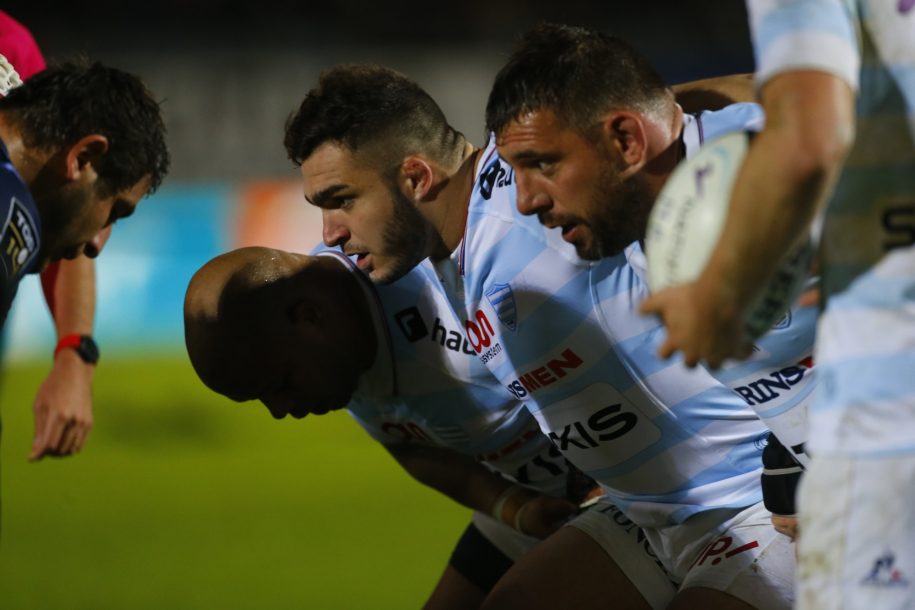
{"points": [[411, 324], [502, 299], [721, 550], [20, 239], [510, 447], [603, 425], [773, 385], [550, 372], [633, 530], [480, 333], [495, 176], [414, 328], [884, 573], [899, 221], [597, 428], [548, 464]]}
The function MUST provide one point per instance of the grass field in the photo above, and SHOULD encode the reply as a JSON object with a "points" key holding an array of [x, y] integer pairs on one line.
{"points": [[185, 500]]}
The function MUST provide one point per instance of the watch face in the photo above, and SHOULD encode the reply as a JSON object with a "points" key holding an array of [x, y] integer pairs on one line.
{"points": [[87, 349]]}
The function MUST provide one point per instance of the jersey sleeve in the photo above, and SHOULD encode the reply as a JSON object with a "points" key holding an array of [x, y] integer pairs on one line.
{"points": [[793, 35], [20, 232]]}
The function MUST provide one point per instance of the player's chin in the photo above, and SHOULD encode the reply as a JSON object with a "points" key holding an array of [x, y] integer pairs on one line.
{"points": [[387, 273], [68, 253], [580, 236], [588, 250]]}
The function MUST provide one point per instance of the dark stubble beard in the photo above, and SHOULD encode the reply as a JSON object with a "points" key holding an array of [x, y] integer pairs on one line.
{"points": [[619, 217], [406, 239], [60, 215]]}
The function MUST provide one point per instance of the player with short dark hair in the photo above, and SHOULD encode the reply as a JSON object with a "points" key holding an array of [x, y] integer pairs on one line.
{"points": [[380, 118], [597, 179], [81, 145], [63, 404], [67, 102], [578, 74]]}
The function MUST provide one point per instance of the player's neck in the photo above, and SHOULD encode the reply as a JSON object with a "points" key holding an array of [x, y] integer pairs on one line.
{"points": [[455, 201], [666, 151]]}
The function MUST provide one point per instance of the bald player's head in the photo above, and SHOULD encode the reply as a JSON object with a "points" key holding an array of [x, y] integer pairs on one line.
{"points": [[291, 330]]}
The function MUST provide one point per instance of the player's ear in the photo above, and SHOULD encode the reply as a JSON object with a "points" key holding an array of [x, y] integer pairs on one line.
{"points": [[82, 158], [623, 133], [417, 177]]}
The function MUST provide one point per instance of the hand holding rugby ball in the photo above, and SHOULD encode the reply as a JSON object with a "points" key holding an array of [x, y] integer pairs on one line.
{"points": [[688, 218]]}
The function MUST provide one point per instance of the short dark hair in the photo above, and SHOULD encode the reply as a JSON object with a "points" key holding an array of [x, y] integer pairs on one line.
{"points": [[362, 105], [578, 73], [68, 101]]}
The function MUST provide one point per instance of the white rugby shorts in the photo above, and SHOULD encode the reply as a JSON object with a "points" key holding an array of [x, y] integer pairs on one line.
{"points": [[857, 533], [736, 551]]}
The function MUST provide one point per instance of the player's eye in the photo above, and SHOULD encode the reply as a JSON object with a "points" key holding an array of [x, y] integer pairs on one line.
{"points": [[546, 165], [344, 203]]}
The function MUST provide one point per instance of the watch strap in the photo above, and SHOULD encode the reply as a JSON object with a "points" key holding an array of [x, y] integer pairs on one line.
{"points": [[83, 344]]}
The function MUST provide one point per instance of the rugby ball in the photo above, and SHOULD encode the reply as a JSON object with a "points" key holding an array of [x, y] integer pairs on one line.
{"points": [[687, 220]]}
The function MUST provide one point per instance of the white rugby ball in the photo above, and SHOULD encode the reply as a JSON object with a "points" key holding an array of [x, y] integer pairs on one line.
{"points": [[687, 220]]}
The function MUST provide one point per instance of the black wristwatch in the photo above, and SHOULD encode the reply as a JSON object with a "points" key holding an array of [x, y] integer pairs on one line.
{"points": [[84, 345]]}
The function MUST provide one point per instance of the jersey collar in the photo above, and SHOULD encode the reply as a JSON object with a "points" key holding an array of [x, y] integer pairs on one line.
{"points": [[381, 378], [693, 136]]}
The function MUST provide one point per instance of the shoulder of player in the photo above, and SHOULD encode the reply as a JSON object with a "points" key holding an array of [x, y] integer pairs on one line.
{"points": [[12, 186], [494, 230], [742, 116]]}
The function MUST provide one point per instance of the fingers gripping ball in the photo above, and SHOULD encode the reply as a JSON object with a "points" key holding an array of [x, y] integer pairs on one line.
{"points": [[9, 78], [688, 218]]}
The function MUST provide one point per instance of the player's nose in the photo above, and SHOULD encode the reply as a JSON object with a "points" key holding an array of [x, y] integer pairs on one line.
{"points": [[334, 232], [530, 200], [530, 203], [94, 246]]}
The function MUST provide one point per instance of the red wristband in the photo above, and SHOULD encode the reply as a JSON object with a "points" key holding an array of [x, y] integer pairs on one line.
{"points": [[67, 341]]}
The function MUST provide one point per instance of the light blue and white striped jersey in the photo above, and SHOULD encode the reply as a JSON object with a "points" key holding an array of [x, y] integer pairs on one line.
{"points": [[778, 380], [427, 386], [866, 345], [564, 335], [871, 45]]}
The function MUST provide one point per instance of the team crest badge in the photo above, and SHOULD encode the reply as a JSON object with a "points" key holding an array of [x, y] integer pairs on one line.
{"points": [[18, 240], [502, 299]]}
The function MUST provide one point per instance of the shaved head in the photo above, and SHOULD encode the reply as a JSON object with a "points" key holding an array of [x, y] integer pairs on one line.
{"points": [[289, 329]]}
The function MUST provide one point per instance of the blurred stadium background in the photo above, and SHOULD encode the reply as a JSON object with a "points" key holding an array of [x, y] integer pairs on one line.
{"points": [[186, 500]]}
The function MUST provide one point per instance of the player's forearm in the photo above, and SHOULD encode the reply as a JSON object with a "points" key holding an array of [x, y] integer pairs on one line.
{"points": [[787, 174], [74, 297], [714, 93], [458, 476]]}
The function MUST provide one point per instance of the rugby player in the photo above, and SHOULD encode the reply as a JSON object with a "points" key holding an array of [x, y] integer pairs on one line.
{"points": [[81, 145], [677, 451], [591, 145], [822, 67], [63, 404], [308, 334]]}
